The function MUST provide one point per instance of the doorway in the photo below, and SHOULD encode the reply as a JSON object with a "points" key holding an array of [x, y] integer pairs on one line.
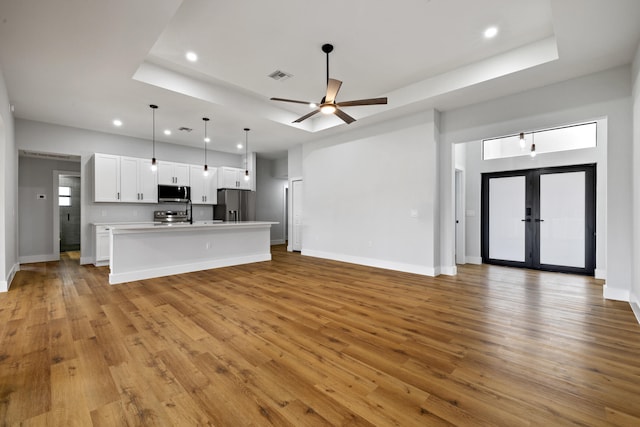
{"points": [[66, 209], [540, 218]]}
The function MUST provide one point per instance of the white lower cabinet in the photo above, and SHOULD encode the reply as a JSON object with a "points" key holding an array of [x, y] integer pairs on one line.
{"points": [[102, 244]]}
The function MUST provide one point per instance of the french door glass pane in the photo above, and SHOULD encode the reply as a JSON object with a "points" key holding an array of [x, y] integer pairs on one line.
{"points": [[506, 211], [562, 211]]}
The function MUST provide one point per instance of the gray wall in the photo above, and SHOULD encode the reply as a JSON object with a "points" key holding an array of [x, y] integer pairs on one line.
{"points": [[8, 192], [270, 196], [371, 195], [634, 298], [36, 220]]}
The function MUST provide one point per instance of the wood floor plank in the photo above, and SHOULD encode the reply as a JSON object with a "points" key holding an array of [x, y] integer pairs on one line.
{"points": [[301, 341]]}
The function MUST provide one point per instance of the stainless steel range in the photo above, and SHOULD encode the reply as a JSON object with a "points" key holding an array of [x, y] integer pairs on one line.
{"points": [[170, 217]]}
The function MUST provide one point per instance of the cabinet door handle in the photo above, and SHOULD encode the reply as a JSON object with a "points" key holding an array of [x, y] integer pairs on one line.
{"points": [[141, 196], [118, 195]]}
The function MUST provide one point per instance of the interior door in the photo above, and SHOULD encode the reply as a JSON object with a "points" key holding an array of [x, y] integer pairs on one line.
{"points": [[540, 218]]}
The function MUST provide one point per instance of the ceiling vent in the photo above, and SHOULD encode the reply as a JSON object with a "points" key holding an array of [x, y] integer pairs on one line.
{"points": [[185, 129], [280, 76]]}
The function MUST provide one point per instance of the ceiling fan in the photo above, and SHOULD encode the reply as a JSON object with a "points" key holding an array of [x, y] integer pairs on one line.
{"points": [[328, 104]]}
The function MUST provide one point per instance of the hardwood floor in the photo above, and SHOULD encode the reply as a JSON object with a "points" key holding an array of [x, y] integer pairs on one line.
{"points": [[301, 341]]}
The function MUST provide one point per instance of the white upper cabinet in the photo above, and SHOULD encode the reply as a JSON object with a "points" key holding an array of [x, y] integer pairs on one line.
{"points": [[204, 190], [139, 184], [124, 179], [170, 173], [106, 182], [233, 178]]}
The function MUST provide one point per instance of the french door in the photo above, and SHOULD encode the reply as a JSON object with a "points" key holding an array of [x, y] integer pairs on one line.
{"points": [[540, 218]]}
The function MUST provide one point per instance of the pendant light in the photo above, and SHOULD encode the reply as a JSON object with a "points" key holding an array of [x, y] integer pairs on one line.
{"points": [[246, 154], [206, 139], [154, 164], [533, 147], [522, 143]]}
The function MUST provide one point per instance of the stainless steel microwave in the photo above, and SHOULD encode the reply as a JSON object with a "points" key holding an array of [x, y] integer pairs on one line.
{"points": [[174, 194]]}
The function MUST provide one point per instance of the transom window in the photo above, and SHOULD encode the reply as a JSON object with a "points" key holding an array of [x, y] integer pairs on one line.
{"points": [[564, 138]]}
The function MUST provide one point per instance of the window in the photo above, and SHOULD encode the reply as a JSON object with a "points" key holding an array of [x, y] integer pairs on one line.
{"points": [[64, 196], [546, 141]]}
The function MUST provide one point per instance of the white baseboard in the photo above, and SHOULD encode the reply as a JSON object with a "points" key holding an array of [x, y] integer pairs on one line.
{"points": [[39, 258], [449, 271], [634, 301], [615, 294], [100, 263], [131, 276], [6, 284], [278, 242], [371, 262], [473, 260], [600, 273], [86, 260]]}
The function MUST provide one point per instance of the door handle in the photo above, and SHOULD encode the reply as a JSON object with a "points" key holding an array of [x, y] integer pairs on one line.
{"points": [[68, 217], [526, 220], [539, 220]]}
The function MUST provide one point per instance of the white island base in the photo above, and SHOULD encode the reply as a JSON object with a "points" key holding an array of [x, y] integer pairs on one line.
{"points": [[150, 251]]}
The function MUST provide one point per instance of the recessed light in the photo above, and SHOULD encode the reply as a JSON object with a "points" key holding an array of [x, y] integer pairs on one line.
{"points": [[191, 56], [117, 122], [239, 146], [207, 139], [490, 32], [167, 132], [313, 105]]}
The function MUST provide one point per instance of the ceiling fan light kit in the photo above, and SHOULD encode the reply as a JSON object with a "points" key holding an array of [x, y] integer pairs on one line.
{"points": [[328, 104]]}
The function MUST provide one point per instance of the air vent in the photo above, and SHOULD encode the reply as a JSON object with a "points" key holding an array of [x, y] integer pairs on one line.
{"points": [[185, 129], [51, 156], [280, 75]]}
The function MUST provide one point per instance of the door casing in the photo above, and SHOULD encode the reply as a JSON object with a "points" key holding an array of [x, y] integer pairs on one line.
{"points": [[532, 234]]}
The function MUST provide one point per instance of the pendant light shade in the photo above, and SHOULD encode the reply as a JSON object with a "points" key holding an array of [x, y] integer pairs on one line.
{"points": [[246, 154], [154, 163], [522, 142], [533, 147], [206, 139]]}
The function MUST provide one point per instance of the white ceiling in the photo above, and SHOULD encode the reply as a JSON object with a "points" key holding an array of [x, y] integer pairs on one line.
{"points": [[83, 63]]}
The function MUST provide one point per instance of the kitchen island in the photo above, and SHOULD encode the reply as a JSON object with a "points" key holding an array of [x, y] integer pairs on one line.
{"points": [[147, 251]]}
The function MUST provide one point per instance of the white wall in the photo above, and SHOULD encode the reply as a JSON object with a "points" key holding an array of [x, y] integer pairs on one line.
{"points": [[270, 195], [48, 138], [635, 288], [8, 192], [605, 94], [361, 188]]}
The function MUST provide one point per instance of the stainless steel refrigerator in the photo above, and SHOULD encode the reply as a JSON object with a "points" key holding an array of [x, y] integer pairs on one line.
{"points": [[235, 205]]}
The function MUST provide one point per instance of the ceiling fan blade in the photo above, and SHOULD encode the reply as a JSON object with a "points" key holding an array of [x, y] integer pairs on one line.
{"points": [[371, 101], [333, 86], [344, 116], [291, 100], [306, 116]]}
